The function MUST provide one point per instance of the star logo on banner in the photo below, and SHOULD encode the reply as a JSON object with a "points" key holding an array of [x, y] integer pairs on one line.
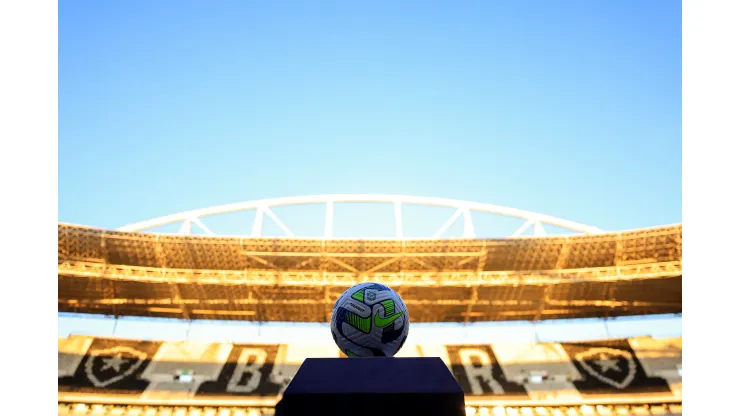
{"points": [[108, 366], [604, 365], [114, 362]]}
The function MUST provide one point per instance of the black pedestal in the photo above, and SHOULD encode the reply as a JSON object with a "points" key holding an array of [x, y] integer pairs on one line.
{"points": [[372, 386]]}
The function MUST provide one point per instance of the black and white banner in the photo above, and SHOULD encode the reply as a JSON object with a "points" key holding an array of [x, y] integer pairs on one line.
{"points": [[154, 370], [107, 365], [609, 367], [246, 373], [478, 372]]}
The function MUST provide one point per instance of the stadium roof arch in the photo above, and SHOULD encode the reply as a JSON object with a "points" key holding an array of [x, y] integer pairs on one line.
{"points": [[264, 207]]}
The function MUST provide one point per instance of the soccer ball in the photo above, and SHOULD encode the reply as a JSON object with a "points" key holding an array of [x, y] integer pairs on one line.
{"points": [[369, 320]]}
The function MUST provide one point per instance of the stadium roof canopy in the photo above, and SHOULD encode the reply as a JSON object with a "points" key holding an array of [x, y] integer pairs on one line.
{"points": [[594, 274]]}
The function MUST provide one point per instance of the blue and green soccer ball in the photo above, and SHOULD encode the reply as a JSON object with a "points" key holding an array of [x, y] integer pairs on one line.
{"points": [[369, 320]]}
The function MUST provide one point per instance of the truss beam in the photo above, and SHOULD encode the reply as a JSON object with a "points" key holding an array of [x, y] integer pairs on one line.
{"points": [[413, 302], [327, 278], [361, 255], [263, 207]]}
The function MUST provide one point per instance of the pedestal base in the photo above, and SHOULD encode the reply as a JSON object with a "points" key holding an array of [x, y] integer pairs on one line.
{"points": [[373, 386]]}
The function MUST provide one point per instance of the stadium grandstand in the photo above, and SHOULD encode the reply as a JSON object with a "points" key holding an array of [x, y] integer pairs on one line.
{"points": [[585, 272]]}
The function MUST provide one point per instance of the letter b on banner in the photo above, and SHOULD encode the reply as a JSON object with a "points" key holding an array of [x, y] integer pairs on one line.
{"points": [[247, 376]]}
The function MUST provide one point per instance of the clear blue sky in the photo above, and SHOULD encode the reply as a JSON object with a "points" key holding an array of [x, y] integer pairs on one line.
{"points": [[569, 108]]}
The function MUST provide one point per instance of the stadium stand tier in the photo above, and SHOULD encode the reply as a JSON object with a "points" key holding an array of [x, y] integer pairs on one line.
{"points": [[118, 273], [87, 409], [147, 375]]}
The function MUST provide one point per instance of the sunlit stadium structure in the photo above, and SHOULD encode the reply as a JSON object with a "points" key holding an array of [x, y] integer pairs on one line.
{"points": [[593, 273]]}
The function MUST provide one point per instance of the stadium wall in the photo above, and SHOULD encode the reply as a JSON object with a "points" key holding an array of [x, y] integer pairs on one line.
{"points": [[108, 370]]}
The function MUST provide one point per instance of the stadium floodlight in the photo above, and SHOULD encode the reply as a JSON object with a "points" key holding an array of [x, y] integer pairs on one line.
{"points": [[265, 207]]}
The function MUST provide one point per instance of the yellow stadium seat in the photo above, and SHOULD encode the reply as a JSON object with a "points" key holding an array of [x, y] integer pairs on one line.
{"points": [[165, 411], [117, 411], [209, 411], [658, 410], [676, 409], [150, 411], [572, 411], [97, 410], [622, 411], [134, 411], [604, 411], [80, 409], [640, 411], [512, 411], [541, 411]]}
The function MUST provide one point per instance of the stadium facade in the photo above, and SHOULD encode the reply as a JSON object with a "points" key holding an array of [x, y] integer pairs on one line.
{"points": [[131, 272]]}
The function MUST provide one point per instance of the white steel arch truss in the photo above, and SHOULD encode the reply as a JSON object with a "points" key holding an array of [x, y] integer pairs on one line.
{"points": [[264, 207]]}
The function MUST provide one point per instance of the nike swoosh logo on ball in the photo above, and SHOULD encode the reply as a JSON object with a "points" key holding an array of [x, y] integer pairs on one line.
{"points": [[387, 320]]}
